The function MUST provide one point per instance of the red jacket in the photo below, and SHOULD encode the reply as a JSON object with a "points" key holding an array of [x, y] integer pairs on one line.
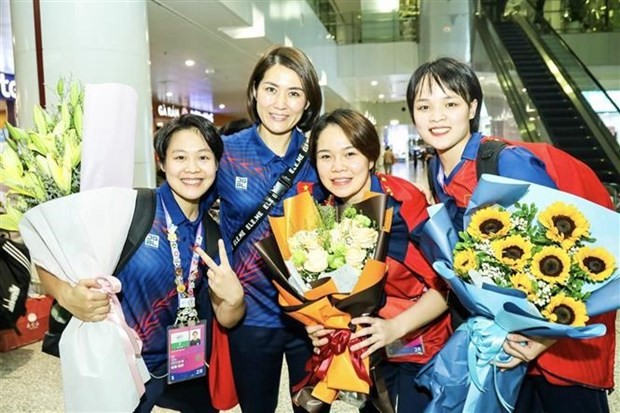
{"points": [[569, 361], [408, 279]]}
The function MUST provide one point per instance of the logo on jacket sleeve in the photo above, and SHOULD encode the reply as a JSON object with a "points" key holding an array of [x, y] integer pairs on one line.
{"points": [[152, 241], [241, 183]]}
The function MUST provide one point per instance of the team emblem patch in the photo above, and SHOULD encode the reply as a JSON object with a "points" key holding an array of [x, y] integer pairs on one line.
{"points": [[241, 183], [152, 241]]}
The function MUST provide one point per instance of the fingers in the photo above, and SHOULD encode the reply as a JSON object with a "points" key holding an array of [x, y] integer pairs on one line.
{"points": [[223, 254], [205, 258]]}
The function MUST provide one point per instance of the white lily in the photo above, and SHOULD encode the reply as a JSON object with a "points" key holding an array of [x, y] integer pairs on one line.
{"points": [[61, 175]]}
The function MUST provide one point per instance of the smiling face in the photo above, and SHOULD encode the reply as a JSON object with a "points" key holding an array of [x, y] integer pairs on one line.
{"points": [[342, 168], [190, 167], [442, 117], [280, 102]]}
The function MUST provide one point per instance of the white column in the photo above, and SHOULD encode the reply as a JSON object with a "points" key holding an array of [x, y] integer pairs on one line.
{"points": [[95, 42]]}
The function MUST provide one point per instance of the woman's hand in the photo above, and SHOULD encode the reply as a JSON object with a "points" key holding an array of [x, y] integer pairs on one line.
{"points": [[378, 332], [222, 279], [317, 334], [523, 349], [227, 297], [84, 301]]}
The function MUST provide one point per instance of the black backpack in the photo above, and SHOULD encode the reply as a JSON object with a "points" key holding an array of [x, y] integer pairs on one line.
{"points": [[14, 282], [141, 224]]}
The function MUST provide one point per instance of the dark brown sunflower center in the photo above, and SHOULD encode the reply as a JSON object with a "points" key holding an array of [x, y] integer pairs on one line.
{"points": [[565, 225], [513, 252], [594, 264], [491, 226], [551, 266], [565, 314]]}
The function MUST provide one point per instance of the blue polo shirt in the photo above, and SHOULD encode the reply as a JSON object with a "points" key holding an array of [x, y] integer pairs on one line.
{"points": [[149, 297], [247, 171]]}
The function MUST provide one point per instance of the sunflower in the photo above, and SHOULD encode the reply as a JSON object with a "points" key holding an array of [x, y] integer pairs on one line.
{"points": [[566, 310], [489, 223], [464, 261], [565, 224], [597, 263], [513, 251], [551, 264], [522, 282]]}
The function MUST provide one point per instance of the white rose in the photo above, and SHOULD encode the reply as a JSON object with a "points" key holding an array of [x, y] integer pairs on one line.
{"points": [[311, 241], [316, 261], [335, 236], [364, 237], [355, 257]]}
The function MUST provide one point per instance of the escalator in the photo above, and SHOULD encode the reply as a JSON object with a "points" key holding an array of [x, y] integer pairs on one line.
{"points": [[569, 121]]}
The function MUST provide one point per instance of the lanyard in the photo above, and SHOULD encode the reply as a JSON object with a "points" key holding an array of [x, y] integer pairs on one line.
{"points": [[187, 303]]}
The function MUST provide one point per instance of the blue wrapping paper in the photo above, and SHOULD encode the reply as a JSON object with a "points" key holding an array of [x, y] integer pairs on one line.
{"points": [[461, 376]]}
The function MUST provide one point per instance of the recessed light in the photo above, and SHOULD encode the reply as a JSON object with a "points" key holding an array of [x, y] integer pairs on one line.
{"points": [[222, 106], [169, 94], [381, 96], [373, 83], [189, 63], [394, 122], [209, 71]]}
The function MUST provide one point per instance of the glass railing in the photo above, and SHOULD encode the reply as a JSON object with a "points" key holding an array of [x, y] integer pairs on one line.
{"points": [[564, 16], [369, 27]]}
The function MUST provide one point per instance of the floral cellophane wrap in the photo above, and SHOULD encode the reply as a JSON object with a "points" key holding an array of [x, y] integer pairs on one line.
{"points": [[336, 368], [461, 376], [82, 236]]}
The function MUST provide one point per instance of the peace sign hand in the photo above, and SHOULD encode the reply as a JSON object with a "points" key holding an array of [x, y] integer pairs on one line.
{"points": [[223, 281]]}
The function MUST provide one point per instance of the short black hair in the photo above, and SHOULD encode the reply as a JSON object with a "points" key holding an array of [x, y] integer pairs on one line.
{"points": [[451, 74], [184, 122]]}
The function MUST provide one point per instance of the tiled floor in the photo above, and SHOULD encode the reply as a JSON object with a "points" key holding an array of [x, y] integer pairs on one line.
{"points": [[30, 380]]}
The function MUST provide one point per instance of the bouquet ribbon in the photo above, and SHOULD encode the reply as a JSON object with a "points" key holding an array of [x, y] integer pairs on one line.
{"points": [[132, 345], [485, 346], [318, 364]]}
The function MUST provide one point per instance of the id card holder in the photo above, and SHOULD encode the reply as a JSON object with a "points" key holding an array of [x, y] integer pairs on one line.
{"points": [[186, 352], [405, 347]]}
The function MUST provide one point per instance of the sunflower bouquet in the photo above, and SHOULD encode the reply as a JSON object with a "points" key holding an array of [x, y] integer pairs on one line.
{"points": [[532, 260], [547, 255], [328, 267]]}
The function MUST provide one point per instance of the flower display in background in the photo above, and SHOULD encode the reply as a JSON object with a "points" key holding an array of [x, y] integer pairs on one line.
{"points": [[546, 256], [44, 163], [337, 247]]}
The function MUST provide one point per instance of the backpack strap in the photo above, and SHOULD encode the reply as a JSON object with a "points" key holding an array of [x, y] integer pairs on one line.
{"points": [[141, 224], [212, 232], [487, 160]]}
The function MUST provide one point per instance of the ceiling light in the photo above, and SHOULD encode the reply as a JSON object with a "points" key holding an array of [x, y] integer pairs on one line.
{"points": [[394, 122], [381, 96], [169, 94], [222, 106], [373, 83], [209, 71], [189, 63]]}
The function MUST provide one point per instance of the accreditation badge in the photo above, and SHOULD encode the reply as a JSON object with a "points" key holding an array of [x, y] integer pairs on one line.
{"points": [[405, 347], [187, 352]]}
